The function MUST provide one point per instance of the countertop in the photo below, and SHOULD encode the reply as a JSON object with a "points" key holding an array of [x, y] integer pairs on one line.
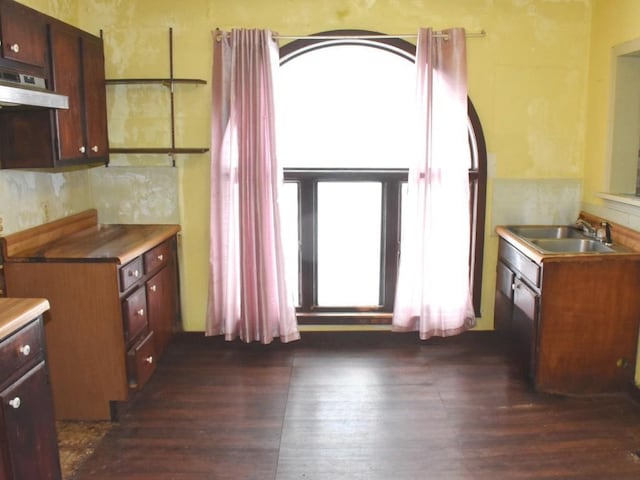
{"points": [[17, 312], [545, 257], [99, 243]]}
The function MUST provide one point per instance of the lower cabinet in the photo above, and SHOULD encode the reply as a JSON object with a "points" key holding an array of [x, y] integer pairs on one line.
{"points": [[109, 324], [29, 448], [524, 323], [516, 305], [573, 320]]}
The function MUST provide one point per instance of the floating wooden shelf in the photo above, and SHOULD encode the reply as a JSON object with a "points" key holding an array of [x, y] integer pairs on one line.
{"points": [[159, 150], [167, 82], [163, 81]]}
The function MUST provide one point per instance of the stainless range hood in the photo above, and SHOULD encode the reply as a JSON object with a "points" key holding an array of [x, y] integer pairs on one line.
{"points": [[17, 89]]}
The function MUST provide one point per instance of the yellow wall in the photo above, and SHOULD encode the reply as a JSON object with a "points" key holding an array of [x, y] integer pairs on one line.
{"points": [[613, 23], [527, 79], [527, 85]]}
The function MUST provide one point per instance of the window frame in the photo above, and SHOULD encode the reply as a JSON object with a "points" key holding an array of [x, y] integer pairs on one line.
{"points": [[309, 311]]}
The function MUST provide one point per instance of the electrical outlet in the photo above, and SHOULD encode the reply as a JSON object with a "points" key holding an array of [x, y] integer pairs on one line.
{"points": [[45, 211]]}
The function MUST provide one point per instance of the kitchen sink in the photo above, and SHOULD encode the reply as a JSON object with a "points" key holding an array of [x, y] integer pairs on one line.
{"points": [[547, 231], [563, 239], [572, 245]]}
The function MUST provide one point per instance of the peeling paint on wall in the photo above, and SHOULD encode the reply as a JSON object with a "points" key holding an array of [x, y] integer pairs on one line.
{"points": [[28, 199], [136, 194]]}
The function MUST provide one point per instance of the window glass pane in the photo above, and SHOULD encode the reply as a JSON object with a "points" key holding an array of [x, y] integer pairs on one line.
{"points": [[290, 215], [349, 224], [346, 106]]}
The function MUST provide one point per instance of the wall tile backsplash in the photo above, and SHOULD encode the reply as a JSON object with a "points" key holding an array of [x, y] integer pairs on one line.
{"points": [[535, 201]]}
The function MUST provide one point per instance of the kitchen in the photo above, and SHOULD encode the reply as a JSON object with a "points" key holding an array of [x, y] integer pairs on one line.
{"points": [[540, 81]]}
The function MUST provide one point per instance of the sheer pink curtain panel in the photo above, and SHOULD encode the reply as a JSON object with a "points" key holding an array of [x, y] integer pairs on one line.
{"points": [[433, 294], [248, 296]]}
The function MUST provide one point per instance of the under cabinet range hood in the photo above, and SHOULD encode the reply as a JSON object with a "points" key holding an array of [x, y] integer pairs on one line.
{"points": [[18, 89]]}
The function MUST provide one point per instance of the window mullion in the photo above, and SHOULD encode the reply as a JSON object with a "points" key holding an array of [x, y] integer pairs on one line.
{"points": [[308, 247], [391, 239]]}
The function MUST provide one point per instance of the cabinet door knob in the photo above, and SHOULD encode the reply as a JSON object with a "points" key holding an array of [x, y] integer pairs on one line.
{"points": [[149, 359], [160, 257], [153, 288], [15, 402], [82, 149], [94, 149], [140, 312], [25, 350], [15, 48]]}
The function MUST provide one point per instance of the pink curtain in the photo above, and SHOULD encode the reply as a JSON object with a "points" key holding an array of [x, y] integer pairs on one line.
{"points": [[248, 297], [433, 294]]}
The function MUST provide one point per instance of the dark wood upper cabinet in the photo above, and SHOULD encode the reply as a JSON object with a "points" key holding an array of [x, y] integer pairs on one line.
{"points": [[47, 138], [23, 34], [95, 98], [78, 72]]}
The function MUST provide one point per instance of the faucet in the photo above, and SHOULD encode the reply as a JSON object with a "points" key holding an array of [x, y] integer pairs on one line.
{"points": [[586, 227], [604, 233]]}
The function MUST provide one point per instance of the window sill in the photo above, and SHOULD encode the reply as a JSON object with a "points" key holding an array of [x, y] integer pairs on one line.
{"points": [[344, 318], [626, 198]]}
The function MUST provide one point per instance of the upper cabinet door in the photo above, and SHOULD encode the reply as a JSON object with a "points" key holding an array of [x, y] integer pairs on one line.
{"points": [[24, 36], [95, 97], [67, 80]]}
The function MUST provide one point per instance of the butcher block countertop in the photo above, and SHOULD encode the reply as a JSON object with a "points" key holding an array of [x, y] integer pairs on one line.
{"points": [[81, 238], [15, 313]]}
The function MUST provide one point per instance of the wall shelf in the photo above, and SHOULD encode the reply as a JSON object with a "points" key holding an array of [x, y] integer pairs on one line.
{"points": [[163, 81], [159, 150], [169, 82]]}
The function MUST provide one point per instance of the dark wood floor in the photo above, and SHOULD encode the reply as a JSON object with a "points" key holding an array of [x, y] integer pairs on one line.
{"points": [[361, 406]]}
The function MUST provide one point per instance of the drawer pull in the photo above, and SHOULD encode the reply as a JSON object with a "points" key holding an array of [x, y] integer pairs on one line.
{"points": [[149, 359], [140, 312], [160, 257], [15, 402], [153, 288], [25, 350], [134, 273], [15, 48]]}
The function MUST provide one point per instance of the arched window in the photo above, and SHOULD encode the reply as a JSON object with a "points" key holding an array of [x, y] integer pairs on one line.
{"points": [[345, 118]]}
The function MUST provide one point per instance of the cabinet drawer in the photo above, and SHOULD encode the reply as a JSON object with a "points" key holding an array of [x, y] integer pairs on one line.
{"points": [[24, 347], [157, 257], [134, 311], [141, 362], [520, 262], [130, 273]]}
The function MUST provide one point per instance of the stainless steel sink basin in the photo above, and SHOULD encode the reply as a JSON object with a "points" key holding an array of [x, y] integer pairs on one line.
{"points": [[572, 245], [564, 239], [547, 231]]}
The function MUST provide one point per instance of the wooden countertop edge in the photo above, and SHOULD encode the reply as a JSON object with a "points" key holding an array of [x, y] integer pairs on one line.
{"points": [[15, 313], [167, 232], [540, 257], [161, 233]]}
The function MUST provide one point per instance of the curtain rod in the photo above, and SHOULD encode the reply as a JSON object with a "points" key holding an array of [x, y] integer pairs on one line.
{"points": [[276, 36]]}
